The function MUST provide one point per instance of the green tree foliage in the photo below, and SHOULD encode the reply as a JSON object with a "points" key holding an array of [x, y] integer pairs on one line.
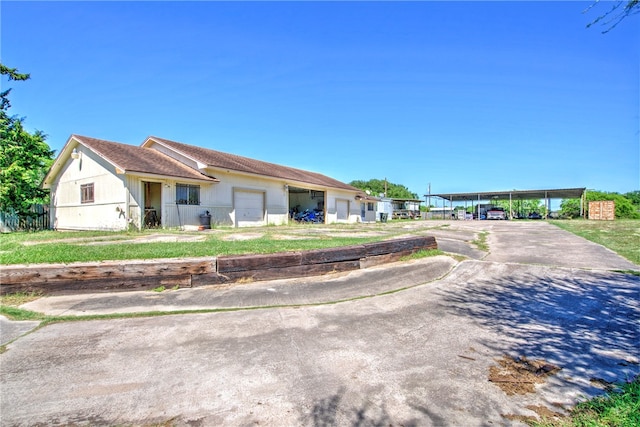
{"points": [[634, 197], [523, 207], [376, 187], [570, 208], [618, 10], [24, 157], [624, 206]]}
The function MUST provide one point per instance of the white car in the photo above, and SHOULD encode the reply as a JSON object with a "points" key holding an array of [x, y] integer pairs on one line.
{"points": [[496, 213]]}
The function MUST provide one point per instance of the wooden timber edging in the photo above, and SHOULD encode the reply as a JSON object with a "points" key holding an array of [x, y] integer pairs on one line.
{"points": [[111, 276]]}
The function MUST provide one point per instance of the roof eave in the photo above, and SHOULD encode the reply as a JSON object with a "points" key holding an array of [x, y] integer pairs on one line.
{"points": [[292, 182], [207, 179], [73, 142], [153, 139]]}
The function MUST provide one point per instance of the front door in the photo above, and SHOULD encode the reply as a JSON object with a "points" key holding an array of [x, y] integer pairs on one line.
{"points": [[152, 204]]}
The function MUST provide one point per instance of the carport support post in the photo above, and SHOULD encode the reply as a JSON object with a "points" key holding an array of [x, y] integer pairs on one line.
{"points": [[510, 208], [547, 205]]}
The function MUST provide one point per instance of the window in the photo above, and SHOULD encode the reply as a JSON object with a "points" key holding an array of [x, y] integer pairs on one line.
{"points": [[86, 193], [370, 206], [187, 194]]}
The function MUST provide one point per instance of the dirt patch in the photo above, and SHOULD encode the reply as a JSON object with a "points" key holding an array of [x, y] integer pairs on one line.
{"points": [[290, 237], [155, 238], [243, 236], [543, 413], [519, 375], [78, 240], [116, 240], [362, 234]]}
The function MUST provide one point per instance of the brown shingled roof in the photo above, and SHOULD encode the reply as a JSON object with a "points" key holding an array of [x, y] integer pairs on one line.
{"points": [[217, 159], [132, 159]]}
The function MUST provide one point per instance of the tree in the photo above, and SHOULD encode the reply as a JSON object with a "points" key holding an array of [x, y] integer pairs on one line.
{"points": [[619, 11], [25, 158], [570, 208], [376, 187]]}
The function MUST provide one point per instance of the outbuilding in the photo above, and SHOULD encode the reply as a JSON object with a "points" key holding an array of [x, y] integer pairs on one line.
{"points": [[104, 185], [484, 199]]}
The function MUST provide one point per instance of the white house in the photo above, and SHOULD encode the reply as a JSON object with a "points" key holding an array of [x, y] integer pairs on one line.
{"points": [[103, 185]]}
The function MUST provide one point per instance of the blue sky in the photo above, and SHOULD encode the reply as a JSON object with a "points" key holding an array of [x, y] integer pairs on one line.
{"points": [[467, 96]]}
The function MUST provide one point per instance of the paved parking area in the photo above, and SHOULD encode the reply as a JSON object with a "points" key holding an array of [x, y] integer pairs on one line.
{"points": [[409, 344]]}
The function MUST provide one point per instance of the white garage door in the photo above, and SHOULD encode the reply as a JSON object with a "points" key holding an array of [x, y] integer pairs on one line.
{"points": [[342, 209], [249, 207]]}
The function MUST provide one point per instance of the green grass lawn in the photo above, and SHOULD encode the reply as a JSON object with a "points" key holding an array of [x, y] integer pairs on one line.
{"points": [[61, 247], [621, 236], [86, 246]]}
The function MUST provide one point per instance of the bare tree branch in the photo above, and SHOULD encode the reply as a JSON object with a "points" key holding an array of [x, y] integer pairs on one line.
{"points": [[619, 11]]}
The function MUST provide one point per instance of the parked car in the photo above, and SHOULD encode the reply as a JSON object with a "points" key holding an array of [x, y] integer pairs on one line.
{"points": [[496, 213], [535, 215]]}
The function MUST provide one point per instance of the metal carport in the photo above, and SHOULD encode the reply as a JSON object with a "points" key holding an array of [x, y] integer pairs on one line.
{"points": [[547, 195]]}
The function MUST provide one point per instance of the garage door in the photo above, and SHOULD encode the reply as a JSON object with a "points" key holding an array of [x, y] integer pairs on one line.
{"points": [[342, 209], [249, 207]]}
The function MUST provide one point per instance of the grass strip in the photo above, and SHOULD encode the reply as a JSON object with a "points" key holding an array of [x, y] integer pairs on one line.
{"points": [[481, 241], [618, 408], [621, 236]]}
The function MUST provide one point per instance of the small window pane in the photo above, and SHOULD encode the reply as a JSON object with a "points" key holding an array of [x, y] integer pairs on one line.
{"points": [[86, 193], [187, 194]]}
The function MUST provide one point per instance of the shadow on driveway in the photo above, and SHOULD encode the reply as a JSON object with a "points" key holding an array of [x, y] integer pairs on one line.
{"points": [[585, 322]]}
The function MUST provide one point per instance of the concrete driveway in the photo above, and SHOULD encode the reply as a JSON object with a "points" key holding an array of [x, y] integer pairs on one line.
{"points": [[409, 344]]}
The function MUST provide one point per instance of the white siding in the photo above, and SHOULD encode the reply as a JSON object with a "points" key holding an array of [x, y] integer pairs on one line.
{"points": [[188, 216], [107, 212], [337, 199], [219, 198]]}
